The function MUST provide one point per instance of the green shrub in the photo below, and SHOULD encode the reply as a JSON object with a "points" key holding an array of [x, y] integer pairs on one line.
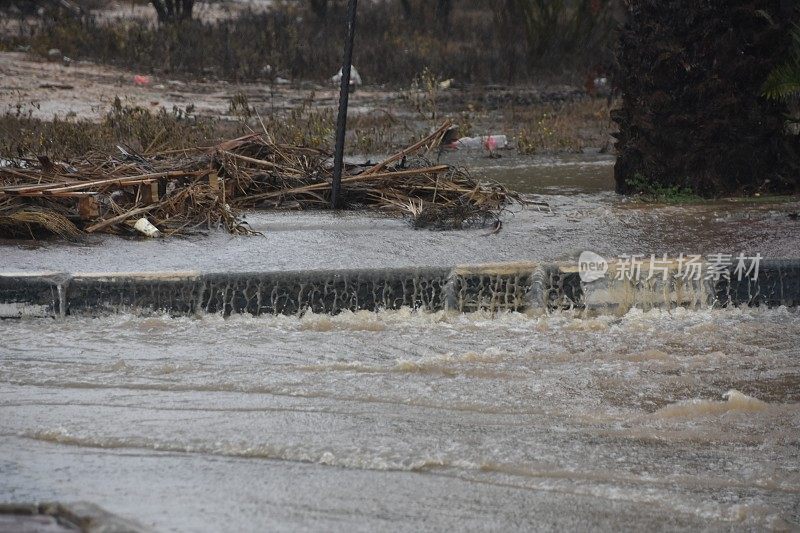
{"points": [[291, 41]]}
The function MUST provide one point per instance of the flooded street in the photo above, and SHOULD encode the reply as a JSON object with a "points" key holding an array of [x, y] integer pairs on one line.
{"points": [[402, 420], [251, 281], [407, 421]]}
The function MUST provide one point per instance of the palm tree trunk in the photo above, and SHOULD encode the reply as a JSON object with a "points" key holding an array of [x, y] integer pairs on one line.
{"points": [[692, 114]]}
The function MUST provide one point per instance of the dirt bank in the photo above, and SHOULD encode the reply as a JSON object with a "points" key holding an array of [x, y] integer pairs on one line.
{"points": [[550, 118]]}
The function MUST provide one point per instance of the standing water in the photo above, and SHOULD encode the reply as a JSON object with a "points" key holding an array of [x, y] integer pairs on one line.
{"points": [[407, 420]]}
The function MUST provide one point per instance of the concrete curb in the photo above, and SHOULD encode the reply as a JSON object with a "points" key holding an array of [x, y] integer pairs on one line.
{"points": [[521, 287]]}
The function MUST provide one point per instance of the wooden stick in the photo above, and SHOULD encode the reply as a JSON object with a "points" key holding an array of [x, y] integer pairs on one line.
{"points": [[411, 149], [361, 177], [120, 218], [11, 190], [235, 143], [259, 162], [73, 194], [399, 173], [127, 180]]}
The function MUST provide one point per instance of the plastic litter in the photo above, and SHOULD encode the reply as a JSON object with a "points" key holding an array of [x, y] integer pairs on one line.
{"points": [[141, 81], [145, 227], [486, 142], [355, 77]]}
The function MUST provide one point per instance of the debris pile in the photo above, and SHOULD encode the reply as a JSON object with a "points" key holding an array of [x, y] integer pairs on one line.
{"points": [[181, 191]]}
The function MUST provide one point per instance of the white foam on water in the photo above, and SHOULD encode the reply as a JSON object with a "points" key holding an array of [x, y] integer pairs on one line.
{"points": [[358, 459], [734, 402]]}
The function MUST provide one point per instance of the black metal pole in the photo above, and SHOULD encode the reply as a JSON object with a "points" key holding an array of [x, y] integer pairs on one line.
{"points": [[344, 97]]}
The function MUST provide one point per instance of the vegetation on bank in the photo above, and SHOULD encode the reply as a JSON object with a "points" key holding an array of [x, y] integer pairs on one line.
{"points": [[144, 130], [482, 41], [414, 45], [649, 191], [22, 136], [547, 128]]}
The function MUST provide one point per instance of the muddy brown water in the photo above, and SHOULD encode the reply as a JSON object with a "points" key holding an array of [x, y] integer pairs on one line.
{"points": [[406, 421]]}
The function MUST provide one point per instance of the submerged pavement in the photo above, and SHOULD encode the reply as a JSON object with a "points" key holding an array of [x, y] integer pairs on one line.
{"points": [[63, 518], [322, 241]]}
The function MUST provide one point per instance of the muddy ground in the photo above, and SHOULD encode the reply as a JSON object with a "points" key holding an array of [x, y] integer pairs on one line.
{"points": [[205, 11], [546, 118]]}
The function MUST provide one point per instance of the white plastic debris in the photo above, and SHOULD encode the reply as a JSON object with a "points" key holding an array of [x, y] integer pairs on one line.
{"points": [[488, 142], [355, 77], [145, 227]]}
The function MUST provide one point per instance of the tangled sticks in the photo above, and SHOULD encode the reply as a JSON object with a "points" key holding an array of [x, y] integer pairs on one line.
{"points": [[183, 190]]}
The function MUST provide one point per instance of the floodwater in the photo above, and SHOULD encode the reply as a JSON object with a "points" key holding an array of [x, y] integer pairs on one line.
{"points": [[405, 421], [563, 175], [582, 213]]}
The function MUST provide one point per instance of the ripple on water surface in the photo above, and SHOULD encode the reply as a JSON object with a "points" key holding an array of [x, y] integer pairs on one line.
{"points": [[693, 412]]}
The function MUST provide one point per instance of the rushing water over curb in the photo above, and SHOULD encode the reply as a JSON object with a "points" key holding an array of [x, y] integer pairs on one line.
{"points": [[520, 287]]}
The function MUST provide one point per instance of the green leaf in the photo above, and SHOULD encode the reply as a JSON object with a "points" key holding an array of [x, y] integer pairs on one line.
{"points": [[784, 81]]}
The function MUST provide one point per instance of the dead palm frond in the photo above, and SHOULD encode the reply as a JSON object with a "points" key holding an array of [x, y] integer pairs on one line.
{"points": [[181, 190]]}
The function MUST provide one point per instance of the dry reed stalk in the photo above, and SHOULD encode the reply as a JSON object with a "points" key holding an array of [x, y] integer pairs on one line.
{"points": [[184, 189]]}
